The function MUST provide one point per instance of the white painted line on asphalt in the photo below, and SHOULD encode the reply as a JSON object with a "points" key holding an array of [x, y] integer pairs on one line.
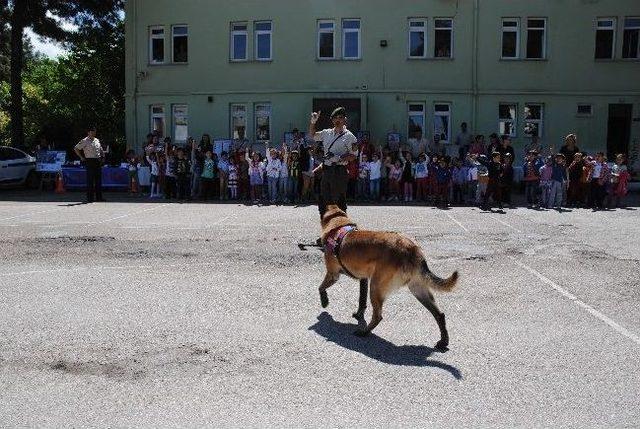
{"points": [[510, 226], [128, 214], [457, 223], [119, 267], [615, 326], [29, 214]]}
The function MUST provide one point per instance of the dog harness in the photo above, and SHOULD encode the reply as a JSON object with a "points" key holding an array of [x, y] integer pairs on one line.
{"points": [[334, 243]]}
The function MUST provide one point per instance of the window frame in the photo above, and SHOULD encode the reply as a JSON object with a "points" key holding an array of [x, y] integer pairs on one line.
{"points": [[345, 31], [584, 115], [448, 114], [232, 46], [424, 29], [173, 123], [255, 120], [510, 30], [423, 105], [613, 28], [630, 28], [540, 121], [173, 43], [322, 31], [153, 115], [513, 121], [436, 29], [544, 38], [231, 117], [257, 33], [153, 37]]}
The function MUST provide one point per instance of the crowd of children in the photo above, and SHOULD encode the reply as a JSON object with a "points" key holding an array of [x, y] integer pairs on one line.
{"points": [[478, 176]]}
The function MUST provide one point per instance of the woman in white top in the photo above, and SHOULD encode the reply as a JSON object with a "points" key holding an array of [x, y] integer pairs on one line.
{"points": [[274, 168]]}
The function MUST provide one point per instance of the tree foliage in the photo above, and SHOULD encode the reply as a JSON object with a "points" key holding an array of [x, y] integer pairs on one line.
{"points": [[85, 86], [47, 18]]}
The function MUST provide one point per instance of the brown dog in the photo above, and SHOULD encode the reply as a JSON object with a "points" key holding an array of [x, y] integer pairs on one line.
{"points": [[390, 260]]}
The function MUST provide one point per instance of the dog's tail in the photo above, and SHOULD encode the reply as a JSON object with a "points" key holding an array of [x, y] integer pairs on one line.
{"points": [[443, 285]]}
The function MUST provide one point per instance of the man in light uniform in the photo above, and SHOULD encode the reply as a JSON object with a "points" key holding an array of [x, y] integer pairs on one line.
{"points": [[90, 152], [338, 143]]}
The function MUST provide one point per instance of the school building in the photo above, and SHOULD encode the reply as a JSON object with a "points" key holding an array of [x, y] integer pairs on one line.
{"points": [[518, 67]]}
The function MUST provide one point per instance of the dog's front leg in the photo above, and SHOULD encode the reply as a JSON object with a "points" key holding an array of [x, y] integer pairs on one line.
{"points": [[329, 280], [362, 301]]}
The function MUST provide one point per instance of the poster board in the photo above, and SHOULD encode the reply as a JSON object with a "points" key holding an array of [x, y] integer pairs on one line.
{"points": [[393, 140], [50, 161], [363, 136], [220, 146]]}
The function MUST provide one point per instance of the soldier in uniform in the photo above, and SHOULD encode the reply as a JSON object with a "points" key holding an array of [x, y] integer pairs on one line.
{"points": [[338, 143], [90, 152]]}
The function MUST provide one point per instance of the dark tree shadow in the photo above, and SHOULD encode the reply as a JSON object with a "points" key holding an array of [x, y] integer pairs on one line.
{"points": [[378, 348]]}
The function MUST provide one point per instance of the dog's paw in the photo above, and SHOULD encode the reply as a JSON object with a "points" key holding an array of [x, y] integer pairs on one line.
{"points": [[324, 299], [358, 315], [361, 333], [442, 346]]}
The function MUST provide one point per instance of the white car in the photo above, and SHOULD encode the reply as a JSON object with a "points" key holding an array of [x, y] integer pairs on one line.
{"points": [[17, 168]]}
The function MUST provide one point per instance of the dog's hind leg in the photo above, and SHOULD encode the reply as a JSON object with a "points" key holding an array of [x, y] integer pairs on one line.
{"points": [[362, 300], [377, 299], [329, 280], [426, 298]]}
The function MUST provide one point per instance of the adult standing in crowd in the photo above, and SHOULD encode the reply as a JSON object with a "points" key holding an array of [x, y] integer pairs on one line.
{"points": [[90, 152], [570, 147], [463, 141], [417, 144], [338, 151]]}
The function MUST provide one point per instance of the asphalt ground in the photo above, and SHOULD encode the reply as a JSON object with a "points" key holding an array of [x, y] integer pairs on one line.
{"points": [[152, 314]]}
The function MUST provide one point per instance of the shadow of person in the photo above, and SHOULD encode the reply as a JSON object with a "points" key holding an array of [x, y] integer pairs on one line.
{"points": [[73, 204], [378, 348]]}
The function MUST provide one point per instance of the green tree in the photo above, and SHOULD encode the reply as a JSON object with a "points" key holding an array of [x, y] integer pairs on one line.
{"points": [[45, 18]]}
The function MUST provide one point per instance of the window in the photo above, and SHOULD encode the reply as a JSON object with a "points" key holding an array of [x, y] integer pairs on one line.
{"points": [[238, 120], [507, 119], [180, 123], [416, 120], [157, 120], [417, 38], [263, 40], [156, 45], [442, 122], [326, 40], [239, 42], [630, 45], [605, 38], [263, 121], [536, 40], [443, 37], [351, 39], [510, 38], [533, 120], [180, 43], [584, 110]]}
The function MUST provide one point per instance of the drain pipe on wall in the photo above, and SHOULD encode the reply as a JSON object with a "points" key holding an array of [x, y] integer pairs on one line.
{"points": [[134, 23], [474, 67]]}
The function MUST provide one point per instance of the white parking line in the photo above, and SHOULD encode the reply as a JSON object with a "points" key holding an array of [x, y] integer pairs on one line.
{"points": [[615, 326], [510, 226], [119, 267], [457, 223], [127, 215], [29, 214]]}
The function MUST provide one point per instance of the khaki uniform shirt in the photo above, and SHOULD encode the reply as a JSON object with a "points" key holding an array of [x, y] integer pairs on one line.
{"points": [[342, 146], [91, 148]]}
